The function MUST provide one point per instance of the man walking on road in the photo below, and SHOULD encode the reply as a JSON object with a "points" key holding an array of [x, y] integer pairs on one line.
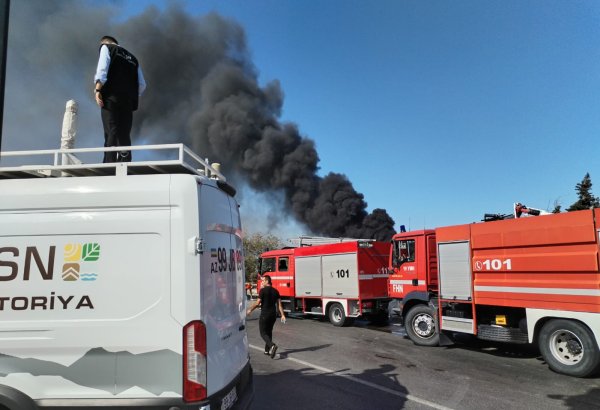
{"points": [[268, 300]]}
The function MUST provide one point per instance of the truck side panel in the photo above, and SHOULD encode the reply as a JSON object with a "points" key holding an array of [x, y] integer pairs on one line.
{"points": [[77, 286], [308, 277], [372, 269], [340, 275], [564, 229], [538, 262], [454, 270]]}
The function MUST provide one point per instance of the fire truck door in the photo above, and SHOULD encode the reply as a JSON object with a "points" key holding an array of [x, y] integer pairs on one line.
{"points": [[308, 276], [454, 271]]}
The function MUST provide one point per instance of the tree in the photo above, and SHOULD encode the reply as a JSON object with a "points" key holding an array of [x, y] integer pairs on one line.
{"points": [[584, 192], [254, 245]]}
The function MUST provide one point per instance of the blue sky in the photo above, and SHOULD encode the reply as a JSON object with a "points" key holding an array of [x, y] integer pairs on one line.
{"points": [[437, 111]]}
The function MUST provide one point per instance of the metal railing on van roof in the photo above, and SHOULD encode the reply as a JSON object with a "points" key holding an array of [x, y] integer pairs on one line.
{"points": [[175, 159]]}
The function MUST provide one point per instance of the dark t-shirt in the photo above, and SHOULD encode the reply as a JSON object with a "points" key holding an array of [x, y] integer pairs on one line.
{"points": [[268, 300]]}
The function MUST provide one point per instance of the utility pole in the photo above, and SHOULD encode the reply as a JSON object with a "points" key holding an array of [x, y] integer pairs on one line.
{"points": [[4, 10]]}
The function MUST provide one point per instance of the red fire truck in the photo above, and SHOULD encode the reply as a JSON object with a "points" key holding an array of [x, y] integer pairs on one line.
{"points": [[519, 280], [335, 277]]}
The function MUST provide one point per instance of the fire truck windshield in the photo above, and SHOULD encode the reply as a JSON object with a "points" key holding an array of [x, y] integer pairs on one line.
{"points": [[267, 265]]}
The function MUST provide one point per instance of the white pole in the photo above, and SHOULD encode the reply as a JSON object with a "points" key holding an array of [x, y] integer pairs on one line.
{"points": [[69, 130]]}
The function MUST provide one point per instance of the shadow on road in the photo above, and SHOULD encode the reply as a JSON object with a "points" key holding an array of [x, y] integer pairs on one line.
{"points": [[283, 354], [517, 351], [587, 401], [307, 388]]}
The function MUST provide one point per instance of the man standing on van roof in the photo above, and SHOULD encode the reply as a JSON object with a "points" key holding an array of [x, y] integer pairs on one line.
{"points": [[268, 299], [118, 84]]}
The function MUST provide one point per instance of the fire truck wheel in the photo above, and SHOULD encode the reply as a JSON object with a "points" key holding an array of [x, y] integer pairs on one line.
{"points": [[337, 317], [421, 327], [569, 348]]}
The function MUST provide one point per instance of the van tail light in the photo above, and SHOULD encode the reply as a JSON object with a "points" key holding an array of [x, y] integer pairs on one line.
{"points": [[194, 361]]}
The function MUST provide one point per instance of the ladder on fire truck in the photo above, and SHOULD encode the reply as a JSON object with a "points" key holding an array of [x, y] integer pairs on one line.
{"points": [[319, 240]]}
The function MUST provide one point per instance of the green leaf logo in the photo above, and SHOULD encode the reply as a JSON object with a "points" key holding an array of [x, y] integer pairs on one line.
{"points": [[90, 252]]}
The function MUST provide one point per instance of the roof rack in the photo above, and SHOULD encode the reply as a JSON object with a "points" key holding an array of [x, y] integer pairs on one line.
{"points": [[63, 162]]}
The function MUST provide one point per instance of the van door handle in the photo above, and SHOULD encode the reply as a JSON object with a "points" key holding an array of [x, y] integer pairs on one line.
{"points": [[242, 327], [339, 293], [308, 293]]}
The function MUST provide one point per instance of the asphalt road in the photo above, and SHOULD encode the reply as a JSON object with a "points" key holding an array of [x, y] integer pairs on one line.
{"points": [[363, 367]]}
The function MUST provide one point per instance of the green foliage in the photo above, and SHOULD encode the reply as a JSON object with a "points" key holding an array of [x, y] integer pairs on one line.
{"points": [[586, 199], [91, 252], [254, 245]]}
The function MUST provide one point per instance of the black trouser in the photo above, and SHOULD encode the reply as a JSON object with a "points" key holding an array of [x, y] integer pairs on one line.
{"points": [[265, 325], [117, 122]]}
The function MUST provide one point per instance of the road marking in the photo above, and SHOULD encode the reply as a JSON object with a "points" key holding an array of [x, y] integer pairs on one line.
{"points": [[364, 382]]}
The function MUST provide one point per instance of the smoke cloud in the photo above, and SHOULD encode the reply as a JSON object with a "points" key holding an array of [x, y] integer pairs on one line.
{"points": [[202, 90]]}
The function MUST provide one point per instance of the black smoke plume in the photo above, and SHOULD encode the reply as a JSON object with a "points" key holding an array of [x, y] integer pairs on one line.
{"points": [[202, 91]]}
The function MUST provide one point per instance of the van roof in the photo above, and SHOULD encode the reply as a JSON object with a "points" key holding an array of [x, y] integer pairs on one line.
{"points": [[175, 159]]}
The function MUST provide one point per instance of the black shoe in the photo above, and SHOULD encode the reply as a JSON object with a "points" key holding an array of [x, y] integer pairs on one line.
{"points": [[273, 350]]}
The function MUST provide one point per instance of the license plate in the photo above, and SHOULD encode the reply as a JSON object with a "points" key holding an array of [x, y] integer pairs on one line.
{"points": [[229, 399]]}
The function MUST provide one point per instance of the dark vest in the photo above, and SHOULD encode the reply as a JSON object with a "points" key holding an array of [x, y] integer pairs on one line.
{"points": [[121, 88]]}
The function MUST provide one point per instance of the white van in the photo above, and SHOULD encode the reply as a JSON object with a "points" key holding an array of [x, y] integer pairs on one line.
{"points": [[121, 285]]}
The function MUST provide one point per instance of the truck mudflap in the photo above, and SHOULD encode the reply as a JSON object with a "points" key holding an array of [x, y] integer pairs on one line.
{"points": [[394, 310], [445, 340], [237, 395]]}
